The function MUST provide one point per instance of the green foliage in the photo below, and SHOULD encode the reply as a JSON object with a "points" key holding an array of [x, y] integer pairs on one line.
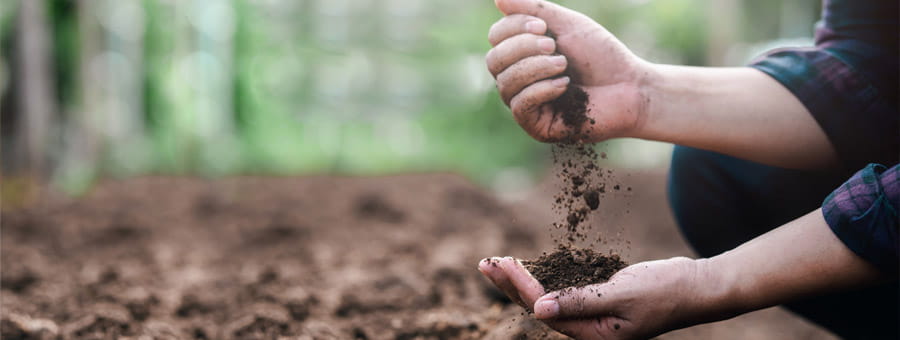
{"points": [[359, 87]]}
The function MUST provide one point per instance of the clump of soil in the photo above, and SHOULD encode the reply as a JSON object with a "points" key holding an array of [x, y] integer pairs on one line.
{"points": [[573, 267], [571, 106]]}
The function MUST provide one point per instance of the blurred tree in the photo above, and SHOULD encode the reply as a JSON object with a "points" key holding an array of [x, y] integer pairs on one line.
{"points": [[350, 86]]}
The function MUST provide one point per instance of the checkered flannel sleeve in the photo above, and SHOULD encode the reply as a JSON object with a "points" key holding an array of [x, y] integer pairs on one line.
{"points": [[853, 111], [863, 213]]}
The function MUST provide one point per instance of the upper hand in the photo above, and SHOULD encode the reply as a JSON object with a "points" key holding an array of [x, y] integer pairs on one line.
{"points": [[641, 301], [529, 73]]}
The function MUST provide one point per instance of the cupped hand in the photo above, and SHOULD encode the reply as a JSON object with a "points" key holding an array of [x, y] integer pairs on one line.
{"points": [[541, 47], [641, 301]]}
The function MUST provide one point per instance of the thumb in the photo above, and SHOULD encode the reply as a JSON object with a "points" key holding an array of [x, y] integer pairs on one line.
{"points": [[576, 303], [559, 19]]}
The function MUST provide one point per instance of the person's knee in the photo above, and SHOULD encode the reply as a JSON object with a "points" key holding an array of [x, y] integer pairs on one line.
{"points": [[703, 200]]}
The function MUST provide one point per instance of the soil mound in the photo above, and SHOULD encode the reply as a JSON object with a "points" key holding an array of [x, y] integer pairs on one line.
{"points": [[573, 267]]}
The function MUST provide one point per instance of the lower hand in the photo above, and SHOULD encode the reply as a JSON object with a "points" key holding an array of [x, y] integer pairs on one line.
{"points": [[643, 300]]}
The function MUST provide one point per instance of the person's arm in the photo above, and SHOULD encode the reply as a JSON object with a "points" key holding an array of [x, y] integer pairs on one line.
{"points": [[738, 111], [803, 258], [741, 112], [850, 242]]}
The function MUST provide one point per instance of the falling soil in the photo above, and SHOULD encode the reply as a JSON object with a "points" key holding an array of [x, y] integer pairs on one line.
{"points": [[582, 187], [572, 267]]}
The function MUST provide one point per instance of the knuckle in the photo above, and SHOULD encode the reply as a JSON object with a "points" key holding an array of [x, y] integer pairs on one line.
{"points": [[490, 59], [503, 88], [493, 32]]}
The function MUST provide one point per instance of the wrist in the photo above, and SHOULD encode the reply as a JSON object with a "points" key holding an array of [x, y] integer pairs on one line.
{"points": [[718, 289], [650, 82]]}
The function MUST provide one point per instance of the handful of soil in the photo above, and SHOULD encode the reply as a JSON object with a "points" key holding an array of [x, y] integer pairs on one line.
{"points": [[572, 267], [583, 186]]}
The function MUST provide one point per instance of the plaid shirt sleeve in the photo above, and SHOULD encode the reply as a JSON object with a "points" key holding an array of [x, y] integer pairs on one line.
{"points": [[855, 113], [863, 214]]}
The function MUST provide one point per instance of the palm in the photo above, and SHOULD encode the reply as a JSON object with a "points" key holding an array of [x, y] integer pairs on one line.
{"points": [[640, 301]]}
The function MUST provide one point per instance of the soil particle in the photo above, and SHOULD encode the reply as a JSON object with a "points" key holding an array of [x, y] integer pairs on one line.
{"points": [[592, 199], [571, 267]]}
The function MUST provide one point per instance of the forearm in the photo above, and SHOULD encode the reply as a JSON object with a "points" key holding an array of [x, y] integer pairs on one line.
{"points": [[802, 258], [740, 112]]}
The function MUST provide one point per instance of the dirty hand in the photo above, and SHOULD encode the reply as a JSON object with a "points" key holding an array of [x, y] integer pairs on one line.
{"points": [[528, 66], [641, 301]]}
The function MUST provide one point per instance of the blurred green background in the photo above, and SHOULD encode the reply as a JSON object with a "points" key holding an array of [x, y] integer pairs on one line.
{"points": [[99, 88]]}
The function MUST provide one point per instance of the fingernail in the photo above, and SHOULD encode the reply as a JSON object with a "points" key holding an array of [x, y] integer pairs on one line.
{"points": [[534, 26], [546, 45], [560, 82], [558, 60], [548, 308]]}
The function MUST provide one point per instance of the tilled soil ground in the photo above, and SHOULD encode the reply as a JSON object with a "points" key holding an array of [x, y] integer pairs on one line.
{"points": [[260, 258], [304, 258]]}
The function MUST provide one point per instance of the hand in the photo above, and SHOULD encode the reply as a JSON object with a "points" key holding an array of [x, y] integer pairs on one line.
{"points": [[641, 301], [529, 74]]}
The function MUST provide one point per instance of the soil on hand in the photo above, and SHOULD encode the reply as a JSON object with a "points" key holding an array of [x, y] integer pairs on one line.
{"points": [[571, 106], [572, 267]]}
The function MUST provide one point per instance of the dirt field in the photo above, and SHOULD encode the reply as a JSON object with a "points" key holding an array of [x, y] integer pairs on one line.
{"points": [[308, 258]]}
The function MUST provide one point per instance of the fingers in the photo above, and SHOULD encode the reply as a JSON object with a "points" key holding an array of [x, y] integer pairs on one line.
{"points": [[528, 287], [491, 269], [513, 25], [526, 106], [528, 71], [593, 300], [514, 279], [558, 18], [516, 48]]}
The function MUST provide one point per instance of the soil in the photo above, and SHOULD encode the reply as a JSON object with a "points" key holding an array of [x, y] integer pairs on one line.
{"points": [[580, 194], [583, 184], [573, 267], [261, 258], [245, 258], [571, 106]]}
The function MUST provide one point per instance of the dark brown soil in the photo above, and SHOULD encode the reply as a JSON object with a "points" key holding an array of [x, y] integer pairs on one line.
{"points": [[583, 185], [571, 106], [262, 258], [572, 267]]}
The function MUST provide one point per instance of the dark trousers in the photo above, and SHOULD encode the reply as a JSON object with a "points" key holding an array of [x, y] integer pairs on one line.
{"points": [[721, 202]]}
